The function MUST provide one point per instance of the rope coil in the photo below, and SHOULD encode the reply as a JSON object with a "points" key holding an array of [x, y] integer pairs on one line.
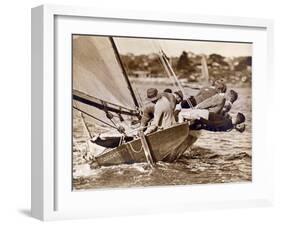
{"points": [[132, 149]]}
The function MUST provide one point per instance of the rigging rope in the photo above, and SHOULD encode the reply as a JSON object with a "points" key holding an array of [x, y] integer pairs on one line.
{"points": [[160, 60], [110, 116], [120, 129], [132, 148], [170, 72], [84, 123], [174, 75], [87, 128], [95, 118], [158, 49]]}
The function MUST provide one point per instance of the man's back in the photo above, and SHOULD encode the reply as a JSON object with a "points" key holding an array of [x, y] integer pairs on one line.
{"points": [[171, 98], [214, 103], [202, 95], [205, 93], [164, 113]]}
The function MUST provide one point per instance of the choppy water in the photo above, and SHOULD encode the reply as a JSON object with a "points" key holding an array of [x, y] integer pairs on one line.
{"points": [[215, 158]]}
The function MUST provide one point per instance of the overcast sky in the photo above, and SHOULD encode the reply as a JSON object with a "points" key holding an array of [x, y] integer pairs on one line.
{"points": [[175, 47]]}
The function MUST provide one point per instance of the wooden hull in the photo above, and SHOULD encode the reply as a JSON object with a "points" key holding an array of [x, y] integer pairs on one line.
{"points": [[165, 145]]}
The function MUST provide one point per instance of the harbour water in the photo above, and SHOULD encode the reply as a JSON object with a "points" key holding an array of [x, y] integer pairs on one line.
{"points": [[217, 157]]}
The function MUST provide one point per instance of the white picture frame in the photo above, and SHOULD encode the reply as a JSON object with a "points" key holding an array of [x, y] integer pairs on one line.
{"points": [[52, 197]]}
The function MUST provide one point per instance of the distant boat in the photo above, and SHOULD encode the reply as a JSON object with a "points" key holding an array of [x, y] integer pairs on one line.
{"points": [[204, 78], [103, 92]]}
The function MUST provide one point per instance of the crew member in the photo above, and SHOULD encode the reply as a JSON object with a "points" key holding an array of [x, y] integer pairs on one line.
{"points": [[204, 93], [220, 123], [148, 108], [164, 111], [219, 102]]}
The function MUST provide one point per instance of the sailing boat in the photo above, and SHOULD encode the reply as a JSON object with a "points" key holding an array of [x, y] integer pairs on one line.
{"points": [[203, 79], [102, 91]]}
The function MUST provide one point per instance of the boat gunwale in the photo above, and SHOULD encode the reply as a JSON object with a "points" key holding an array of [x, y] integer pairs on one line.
{"points": [[151, 134]]}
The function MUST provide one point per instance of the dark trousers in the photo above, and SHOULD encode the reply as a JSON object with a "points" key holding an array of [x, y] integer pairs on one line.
{"points": [[111, 142], [215, 123]]}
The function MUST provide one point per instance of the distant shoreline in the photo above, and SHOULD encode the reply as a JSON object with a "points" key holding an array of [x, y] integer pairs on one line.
{"points": [[184, 82]]}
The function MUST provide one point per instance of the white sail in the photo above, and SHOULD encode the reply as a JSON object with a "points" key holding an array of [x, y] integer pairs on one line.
{"points": [[204, 71], [97, 73]]}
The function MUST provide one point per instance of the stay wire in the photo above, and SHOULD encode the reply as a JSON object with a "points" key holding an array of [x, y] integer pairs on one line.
{"points": [[95, 118]]}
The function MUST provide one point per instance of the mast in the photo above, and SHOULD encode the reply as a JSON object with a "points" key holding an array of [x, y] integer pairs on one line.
{"points": [[124, 71], [171, 73]]}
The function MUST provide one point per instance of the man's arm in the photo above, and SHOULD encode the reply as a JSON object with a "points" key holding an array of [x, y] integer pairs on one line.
{"points": [[147, 115], [157, 117], [145, 119]]}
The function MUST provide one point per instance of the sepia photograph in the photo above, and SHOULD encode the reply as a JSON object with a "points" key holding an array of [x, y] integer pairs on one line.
{"points": [[160, 112]]}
